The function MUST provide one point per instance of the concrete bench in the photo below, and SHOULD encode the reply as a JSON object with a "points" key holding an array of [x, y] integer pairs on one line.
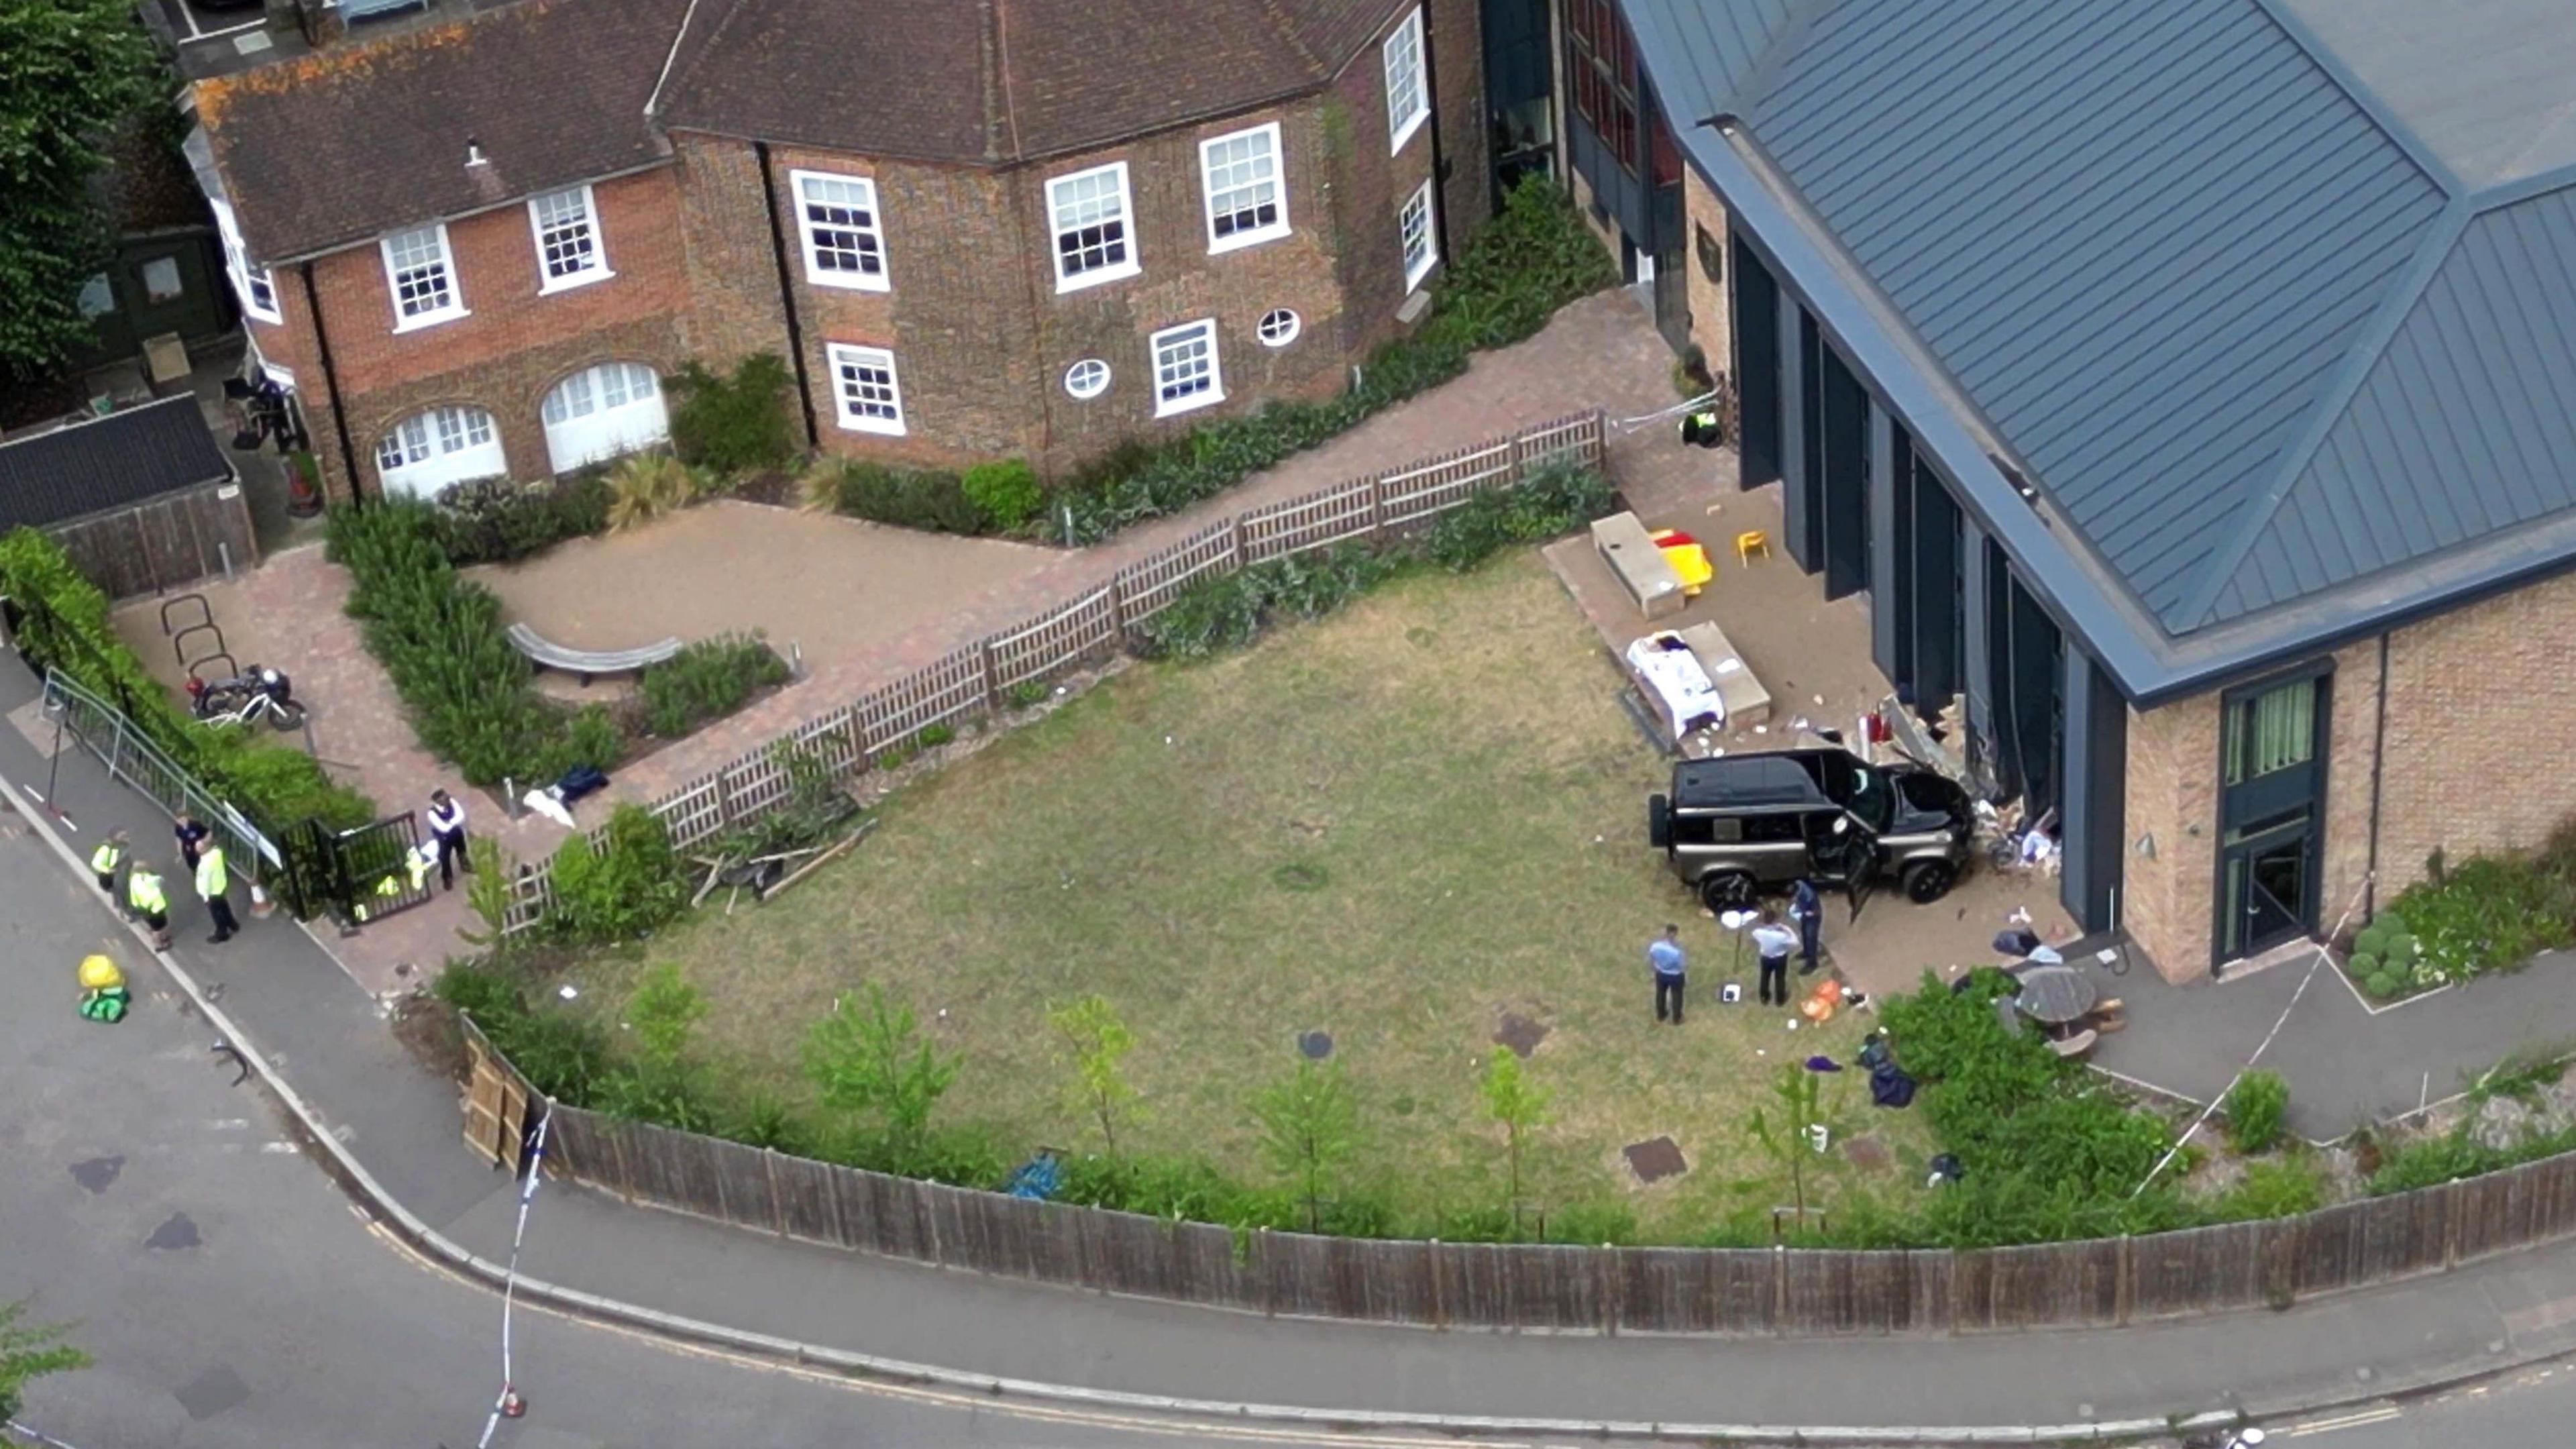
{"points": [[1746, 701], [589, 663], [1630, 551]]}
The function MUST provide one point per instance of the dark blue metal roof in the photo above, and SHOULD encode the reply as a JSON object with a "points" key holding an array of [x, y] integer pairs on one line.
{"points": [[111, 462], [2186, 273]]}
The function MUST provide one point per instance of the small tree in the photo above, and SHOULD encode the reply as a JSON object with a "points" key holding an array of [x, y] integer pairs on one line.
{"points": [[869, 1059], [662, 1010], [1100, 1042], [2255, 1106], [1310, 1128], [487, 892], [659, 1086], [29, 1352], [1796, 1097], [1520, 1105]]}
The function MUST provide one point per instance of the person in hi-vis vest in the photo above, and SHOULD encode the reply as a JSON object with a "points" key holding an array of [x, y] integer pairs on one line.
{"points": [[212, 881]]}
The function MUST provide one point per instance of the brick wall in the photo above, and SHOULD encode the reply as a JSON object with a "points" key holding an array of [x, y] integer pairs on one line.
{"points": [[2464, 768], [512, 347], [1712, 325]]}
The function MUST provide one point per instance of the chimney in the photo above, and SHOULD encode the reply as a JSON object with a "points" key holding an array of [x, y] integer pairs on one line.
{"points": [[474, 153]]}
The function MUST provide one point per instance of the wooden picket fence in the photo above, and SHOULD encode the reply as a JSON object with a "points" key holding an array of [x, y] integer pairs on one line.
{"points": [[977, 678], [2099, 1283]]}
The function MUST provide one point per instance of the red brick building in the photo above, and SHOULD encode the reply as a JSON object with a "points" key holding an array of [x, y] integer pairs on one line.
{"points": [[479, 248]]}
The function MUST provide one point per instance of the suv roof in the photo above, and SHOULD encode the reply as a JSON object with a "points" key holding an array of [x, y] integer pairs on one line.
{"points": [[1765, 781]]}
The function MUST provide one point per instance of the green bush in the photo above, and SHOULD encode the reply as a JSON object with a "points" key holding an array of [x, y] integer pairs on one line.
{"points": [[2432, 1161], [63, 624], [628, 888], [1227, 612], [737, 423], [906, 498], [2254, 1109], [495, 520], [2275, 1187], [1557, 497], [648, 486], [1005, 492], [707, 680], [1532, 258], [2384, 984], [2491, 913]]}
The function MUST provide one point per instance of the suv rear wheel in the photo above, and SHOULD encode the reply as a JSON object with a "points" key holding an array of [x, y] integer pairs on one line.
{"points": [[1728, 890], [1927, 881]]}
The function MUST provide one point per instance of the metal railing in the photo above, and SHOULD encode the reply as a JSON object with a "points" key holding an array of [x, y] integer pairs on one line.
{"points": [[133, 759]]}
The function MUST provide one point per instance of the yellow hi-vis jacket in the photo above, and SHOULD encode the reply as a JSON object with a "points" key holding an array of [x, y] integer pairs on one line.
{"points": [[211, 880], [106, 858], [143, 889]]}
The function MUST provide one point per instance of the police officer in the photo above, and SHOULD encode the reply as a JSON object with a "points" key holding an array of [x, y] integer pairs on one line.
{"points": [[143, 893], [212, 882], [447, 829], [191, 834], [1702, 428], [104, 860]]}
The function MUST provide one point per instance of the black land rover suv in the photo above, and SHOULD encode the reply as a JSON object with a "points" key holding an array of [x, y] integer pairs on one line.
{"points": [[1738, 825]]}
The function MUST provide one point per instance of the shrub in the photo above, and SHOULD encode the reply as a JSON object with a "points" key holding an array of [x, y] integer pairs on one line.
{"points": [[1532, 258], [1027, 692], [1228, 612], [2254, 1109], [2490, 913], [63, 624], [495, 520], [706, 680], [906, 498], [627, 888], [648, 486], [1557, 497], [1005, 492], [737, 423], [2276, 1187], [933, 736]]}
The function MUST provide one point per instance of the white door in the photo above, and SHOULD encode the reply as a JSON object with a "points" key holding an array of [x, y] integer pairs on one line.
{"points": [[610, 409], [427, 451]]}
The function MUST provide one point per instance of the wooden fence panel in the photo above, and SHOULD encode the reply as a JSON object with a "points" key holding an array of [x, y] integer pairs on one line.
{"points": [[578, 1147], [2372, 1241], [1078, 630], [1409, 495], [1834, 1292], [944, 691], [1577, 437], [883, 1214], [1561, 1286], [1696, 1290], [2174, 1274], [807, 1206], [674, 1169], [1475, 1284], [742, 1184], [2533, 1203], [164, 543], [1314, 521], [2047, 1285], [694, 812], [1147, 585]]}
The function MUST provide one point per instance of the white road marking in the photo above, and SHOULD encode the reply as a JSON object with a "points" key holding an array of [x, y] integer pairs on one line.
{"points": [[2380, 1415]]}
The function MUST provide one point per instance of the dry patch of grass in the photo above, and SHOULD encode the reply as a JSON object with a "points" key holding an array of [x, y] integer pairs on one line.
{"points": [[1396, 826]]}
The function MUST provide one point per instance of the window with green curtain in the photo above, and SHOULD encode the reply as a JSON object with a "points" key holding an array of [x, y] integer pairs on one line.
{"points": [[2272, 731]]}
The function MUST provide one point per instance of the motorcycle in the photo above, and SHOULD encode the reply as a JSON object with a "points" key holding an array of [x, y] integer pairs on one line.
{"points": [[261, 693]]}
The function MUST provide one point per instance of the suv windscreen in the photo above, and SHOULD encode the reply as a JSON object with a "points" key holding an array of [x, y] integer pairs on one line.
{"points": [[1858, 788]]}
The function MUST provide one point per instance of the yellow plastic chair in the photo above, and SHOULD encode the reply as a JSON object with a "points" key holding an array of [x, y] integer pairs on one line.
{"points": [[1751, 542]]}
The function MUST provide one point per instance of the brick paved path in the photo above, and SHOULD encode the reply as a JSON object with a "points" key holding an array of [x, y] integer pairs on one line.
{"points": [[1600, 352]]}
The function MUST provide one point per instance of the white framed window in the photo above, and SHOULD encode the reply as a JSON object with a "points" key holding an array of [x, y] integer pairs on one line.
{"points": [[569, 253], [1421, 246], [864, 387], [1408, 97], [253, 285], [429, 450], [1089, 212], [603, 411], [844, 241], [1246, 201], [1087, 379], [421, 277], [1186, 375], [1279, 327]]}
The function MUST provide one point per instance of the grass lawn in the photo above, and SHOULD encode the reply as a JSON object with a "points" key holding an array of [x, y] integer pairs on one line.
{"points": [[1396, 825]]}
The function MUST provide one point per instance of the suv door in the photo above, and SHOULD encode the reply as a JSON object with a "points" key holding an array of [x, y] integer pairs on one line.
{"points": [[1844, 853]]}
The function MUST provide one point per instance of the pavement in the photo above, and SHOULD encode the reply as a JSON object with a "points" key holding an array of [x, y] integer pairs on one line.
{"points": [[2348, 1063], [284, 998]]}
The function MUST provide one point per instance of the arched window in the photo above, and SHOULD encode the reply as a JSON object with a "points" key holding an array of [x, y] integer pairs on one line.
{"points": [[603, 411], [427, 451]]}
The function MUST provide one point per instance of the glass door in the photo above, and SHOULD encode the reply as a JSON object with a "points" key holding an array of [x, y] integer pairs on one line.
{"points": [[2271, 812], [2265, 875]]}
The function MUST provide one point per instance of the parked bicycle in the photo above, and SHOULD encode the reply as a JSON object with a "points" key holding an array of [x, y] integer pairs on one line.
{"points": [[246, 699]]}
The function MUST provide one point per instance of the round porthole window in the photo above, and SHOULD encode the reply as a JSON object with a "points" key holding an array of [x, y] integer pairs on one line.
{"points": [[1087, 378], [1279, 327]]}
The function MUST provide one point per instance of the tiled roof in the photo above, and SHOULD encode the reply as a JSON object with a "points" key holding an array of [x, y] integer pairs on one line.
{"points": [[360, 138], [357, 139]]}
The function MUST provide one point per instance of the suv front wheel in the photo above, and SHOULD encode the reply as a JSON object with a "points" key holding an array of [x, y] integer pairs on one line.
{"points": [[1927, 881], [1728, 890]]}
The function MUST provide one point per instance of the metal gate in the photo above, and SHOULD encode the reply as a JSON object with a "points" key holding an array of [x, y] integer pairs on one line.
{"points": [[359, 875]]}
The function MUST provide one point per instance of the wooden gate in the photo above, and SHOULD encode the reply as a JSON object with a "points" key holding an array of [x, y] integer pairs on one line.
{"points": [[496, 1109]]}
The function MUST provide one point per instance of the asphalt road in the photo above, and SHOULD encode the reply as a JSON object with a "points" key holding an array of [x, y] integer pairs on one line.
{"points": [[234, 1299]]}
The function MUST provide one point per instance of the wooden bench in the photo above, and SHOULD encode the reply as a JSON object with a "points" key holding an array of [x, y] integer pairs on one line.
{"points": [[589, 663], [1746, 701], [1630, 551]]}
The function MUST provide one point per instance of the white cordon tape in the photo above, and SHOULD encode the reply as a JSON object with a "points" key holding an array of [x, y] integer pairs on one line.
{"points": [[429, 1241], [1630, 425], [534, 1170], [2260, 1047]]}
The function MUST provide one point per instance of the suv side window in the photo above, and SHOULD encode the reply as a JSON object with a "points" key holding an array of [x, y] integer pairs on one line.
{"points": [[1771, 829], [1707, 830]]}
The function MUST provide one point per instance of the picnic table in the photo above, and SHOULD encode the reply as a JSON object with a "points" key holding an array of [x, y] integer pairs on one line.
{"points": [[2055, 996]]}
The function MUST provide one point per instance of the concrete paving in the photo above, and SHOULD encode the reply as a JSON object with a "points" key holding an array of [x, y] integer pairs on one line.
{"points": [[2347, 1065], [402, 1123]]}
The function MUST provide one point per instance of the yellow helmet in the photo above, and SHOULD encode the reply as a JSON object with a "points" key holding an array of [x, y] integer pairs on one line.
{"points": [[97, 973]]}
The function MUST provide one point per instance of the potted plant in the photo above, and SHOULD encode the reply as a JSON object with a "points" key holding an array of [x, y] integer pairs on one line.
{"points": [[303, 484]]}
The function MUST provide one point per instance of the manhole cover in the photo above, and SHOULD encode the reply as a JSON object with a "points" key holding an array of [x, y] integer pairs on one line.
{"points": [[1655, 1159], [1866, 1153], [1315, 1045], [1520, 1033], [211, 1392]]}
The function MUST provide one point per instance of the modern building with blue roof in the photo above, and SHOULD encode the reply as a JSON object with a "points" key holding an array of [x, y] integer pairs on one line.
{"points": [[2190, 385]]}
